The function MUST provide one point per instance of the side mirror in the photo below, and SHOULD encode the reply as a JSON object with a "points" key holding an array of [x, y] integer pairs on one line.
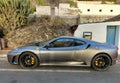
{"points": [[47, 46], [37, 43]]}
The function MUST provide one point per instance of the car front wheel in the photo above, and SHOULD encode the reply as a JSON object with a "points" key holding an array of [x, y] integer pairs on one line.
{"points": [[101, 62], [28, 60]]}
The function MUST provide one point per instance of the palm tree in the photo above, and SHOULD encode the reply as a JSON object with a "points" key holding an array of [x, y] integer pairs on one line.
{"points": [[53, 3], [52, 8]]}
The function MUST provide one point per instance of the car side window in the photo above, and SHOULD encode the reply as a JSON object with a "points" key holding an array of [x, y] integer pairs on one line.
{"points": [[78, 43], [62, 43]]}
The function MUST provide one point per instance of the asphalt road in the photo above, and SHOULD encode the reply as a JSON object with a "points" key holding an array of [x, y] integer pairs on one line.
{"points": [[57, 74]]}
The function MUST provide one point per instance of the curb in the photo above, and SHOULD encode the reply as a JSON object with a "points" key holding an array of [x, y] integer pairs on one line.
{"points": [[3, 55]]}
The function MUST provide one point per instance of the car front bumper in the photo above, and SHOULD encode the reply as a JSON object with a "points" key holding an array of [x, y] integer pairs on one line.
{"points": [[13, 58]]}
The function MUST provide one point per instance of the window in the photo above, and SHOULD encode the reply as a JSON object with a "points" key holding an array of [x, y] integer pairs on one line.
{"points": [[87, 35], [62, 43], [78, 43], [88, 10], [111, 10], [100, 10]]}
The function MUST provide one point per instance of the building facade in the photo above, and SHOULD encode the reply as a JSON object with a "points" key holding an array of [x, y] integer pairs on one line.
{"points": [[106, 32]]}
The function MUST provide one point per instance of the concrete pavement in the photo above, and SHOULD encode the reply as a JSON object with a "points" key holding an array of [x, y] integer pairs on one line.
{"points": [[55, 74], [3, 53]]}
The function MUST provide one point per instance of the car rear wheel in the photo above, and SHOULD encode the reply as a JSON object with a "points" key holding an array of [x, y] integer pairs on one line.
{"points": [[28, 60], [101, 62]]}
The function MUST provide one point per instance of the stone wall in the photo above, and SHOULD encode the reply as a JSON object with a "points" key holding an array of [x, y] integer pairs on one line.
{"points": [[93, 18], [99, 9], [83, 14]]}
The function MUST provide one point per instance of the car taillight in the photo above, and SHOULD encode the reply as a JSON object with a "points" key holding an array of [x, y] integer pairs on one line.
{"points": [[114, 57], [117, 47]]}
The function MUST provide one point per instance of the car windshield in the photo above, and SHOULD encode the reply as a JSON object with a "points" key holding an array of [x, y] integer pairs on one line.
{"points": [[41, 43], [37, 43]]}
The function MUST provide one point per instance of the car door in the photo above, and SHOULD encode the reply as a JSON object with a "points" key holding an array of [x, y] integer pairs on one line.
{"points": [[80, 47], [59, 50]]}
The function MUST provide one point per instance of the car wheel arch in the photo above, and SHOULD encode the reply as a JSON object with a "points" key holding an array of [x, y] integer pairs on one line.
{"points": [[27, 52], [99, 54]]}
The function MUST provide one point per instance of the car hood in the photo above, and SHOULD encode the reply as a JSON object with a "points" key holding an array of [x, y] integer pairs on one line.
{"points": [[25, 48]]}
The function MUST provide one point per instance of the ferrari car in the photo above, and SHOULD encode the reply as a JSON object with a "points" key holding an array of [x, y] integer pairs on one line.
{"points": [[66, 51]]}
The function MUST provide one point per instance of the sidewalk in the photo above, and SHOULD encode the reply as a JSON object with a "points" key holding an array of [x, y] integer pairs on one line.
{"points": [[4, 52]]}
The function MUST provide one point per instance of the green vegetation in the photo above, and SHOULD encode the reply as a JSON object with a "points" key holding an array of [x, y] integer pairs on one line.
{"points": [[40, 2], [41, 29], [72, 3], [14, 14], [104, 1]]}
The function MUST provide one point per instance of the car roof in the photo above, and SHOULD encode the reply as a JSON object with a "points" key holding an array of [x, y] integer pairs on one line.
{"points": [[67, 37], [71, 37], [82, 39]]}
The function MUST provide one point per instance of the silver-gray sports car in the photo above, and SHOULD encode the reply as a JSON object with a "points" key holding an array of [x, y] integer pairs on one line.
{"points": [[65, 50]]}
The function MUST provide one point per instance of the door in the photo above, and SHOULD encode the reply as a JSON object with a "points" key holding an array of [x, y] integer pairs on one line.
{"points": [[111, 35], [60, 50]]}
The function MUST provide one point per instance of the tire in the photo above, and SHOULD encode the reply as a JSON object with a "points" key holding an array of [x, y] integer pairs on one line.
{"points": [[28, 60], [101, 62]]}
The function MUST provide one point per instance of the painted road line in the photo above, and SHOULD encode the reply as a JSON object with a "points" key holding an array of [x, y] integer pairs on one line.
{"points": [[38, 70]]}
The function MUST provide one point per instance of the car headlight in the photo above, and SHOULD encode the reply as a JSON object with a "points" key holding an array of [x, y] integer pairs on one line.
{"points": [[14, 51]]}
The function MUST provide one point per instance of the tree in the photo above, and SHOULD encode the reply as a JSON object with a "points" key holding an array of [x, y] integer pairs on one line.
{"points": [[115, 1], [103, 1], [40, 2], [14, 13], [37, 2], [53, 3]]}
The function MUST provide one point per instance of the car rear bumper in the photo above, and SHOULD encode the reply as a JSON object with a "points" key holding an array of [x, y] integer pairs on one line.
{"points": [[114, 62], [114, 59]]}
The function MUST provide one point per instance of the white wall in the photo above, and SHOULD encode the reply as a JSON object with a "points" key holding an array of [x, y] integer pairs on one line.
{"points": [[106, 9], [61, 11], [44, 10], [98, 31]]}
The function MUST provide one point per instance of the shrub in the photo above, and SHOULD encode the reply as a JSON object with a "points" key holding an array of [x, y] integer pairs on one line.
{"points": [[14, 13], [42, 29], [40, 2]]}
